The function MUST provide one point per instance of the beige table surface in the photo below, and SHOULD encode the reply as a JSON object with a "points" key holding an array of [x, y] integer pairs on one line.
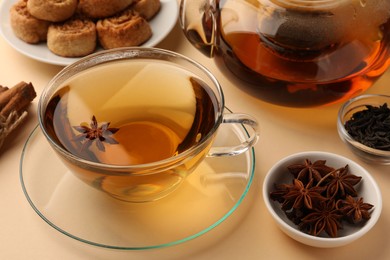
{"points": [[249, 234]]}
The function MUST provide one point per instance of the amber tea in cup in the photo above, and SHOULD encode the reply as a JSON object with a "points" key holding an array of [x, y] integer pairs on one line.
{"points": [[139, 123], [135, 122]]}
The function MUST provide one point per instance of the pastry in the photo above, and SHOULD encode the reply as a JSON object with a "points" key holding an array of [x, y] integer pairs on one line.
{"points": [[102, 8], [72, 38], [25, 26], [52, 10], [146, 8], [123, 30]]}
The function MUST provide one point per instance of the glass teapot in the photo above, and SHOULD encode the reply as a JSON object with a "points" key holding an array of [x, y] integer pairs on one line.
{"points": [[297, 53]]}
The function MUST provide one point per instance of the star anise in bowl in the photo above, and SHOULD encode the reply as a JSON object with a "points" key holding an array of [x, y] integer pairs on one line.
{"points": [[299, 195], [355, 209], [340, 183], [316, 205], [308, 170], [326, 217]]}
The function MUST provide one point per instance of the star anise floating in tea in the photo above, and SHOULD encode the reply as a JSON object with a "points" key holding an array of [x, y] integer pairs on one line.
{"points": [[95, 133], [321, 197]]}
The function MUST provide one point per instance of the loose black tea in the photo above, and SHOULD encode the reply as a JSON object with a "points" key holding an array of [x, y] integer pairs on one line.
{"points": [[371, 127]]}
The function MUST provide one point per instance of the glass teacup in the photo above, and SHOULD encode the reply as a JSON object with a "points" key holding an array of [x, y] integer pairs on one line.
{"points": [[135, 122]]}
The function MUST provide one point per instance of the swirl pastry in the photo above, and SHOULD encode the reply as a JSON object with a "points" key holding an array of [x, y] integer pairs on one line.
{"points": [[72, 38], [146, 8], [123, 30], [52, 10], [25, 26], [102, 8]]}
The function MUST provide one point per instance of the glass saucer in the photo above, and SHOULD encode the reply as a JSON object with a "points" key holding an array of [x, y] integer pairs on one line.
{"points": [[205, 200]]}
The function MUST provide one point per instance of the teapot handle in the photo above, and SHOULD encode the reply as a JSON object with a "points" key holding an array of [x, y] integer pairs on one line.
{"points": [[198, 19]]}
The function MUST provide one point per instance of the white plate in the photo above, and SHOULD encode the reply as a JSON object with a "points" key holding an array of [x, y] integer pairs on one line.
{"points": [[161, 25]]}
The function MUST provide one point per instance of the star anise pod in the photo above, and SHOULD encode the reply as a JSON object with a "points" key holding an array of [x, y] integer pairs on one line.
{"points": [[95, 133], [307, 171], [280, 191], [355, 210], [300, 195], [326, 217], [340, 183]]}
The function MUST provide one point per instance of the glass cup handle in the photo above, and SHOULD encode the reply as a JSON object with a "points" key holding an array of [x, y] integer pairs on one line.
{"points": [[251, 138]]}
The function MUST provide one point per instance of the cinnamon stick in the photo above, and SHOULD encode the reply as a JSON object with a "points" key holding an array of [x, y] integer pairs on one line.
{"points": [[13, 105], [3, 88], [16, 98]]}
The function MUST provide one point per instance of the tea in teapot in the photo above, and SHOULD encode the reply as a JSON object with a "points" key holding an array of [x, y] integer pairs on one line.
{"points": [[298, 53]]}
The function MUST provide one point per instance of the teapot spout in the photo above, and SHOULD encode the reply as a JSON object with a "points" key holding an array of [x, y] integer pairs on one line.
{"points": [[198, 20]]}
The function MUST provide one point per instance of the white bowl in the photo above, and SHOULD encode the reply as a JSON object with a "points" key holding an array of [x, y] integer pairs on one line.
{"points": [[368, 189]]}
